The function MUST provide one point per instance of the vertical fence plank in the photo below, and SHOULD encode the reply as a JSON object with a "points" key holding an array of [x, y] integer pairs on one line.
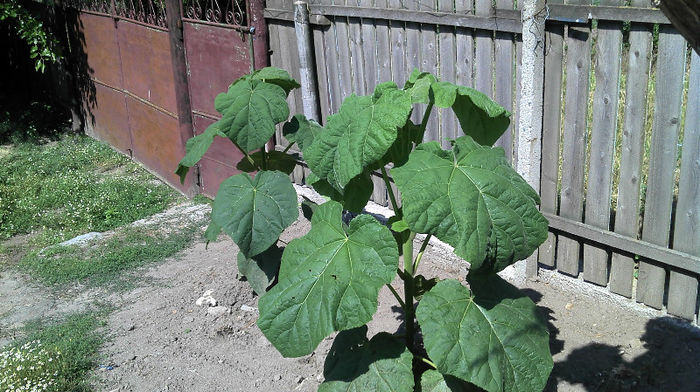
{"points": [[605, 102], [448, 56], [399, 70], [429, 63], [413, 47], [275, 58], [383, 47], [503, 68], [551, 128], [662, 160], [465, 48], [345, 73], [321, 74], [357, 53], [483, 57], [516, 105], [332, 68], [578, 58], [682, 287], [627, 211], [369, 50]]}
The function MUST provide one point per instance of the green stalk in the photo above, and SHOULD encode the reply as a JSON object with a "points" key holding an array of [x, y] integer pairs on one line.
{"points": [[426, 360], [288, 147], [426, 116], [248, 157], [385, 177], [409, 290], [396, 295], [420, 252]]}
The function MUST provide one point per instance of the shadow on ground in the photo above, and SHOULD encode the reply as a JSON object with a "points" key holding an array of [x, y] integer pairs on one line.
{"points": [[670, 362]]}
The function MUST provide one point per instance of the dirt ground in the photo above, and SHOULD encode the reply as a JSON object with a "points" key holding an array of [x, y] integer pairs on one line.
{"points": [[161, 340]]}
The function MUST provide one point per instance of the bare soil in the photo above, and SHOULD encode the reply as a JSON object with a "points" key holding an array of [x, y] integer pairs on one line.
{"points": [[161, 340]]}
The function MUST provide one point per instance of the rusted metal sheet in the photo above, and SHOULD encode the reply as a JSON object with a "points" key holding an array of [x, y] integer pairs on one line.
{"points": [[109, 118], [216, 56], [102, 49], [147, 65], [156, 140], [219, 162]]}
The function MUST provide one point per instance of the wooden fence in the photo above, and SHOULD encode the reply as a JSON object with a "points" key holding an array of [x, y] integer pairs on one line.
{"points": [[620, 169]]}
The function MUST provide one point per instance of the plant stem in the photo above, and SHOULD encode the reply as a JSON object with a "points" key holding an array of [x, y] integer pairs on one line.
{"points": [[426, 116], [385, 176], [426, 360], [264, 158], [288, 147], [398, 297], [248, 157], [424, 245], [409, 314]]}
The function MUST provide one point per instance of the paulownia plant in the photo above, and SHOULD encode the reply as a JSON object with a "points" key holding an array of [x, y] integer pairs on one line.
{"points": [[486, 333]]}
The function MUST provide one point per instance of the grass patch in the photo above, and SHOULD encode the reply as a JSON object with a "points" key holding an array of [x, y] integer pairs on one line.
{"points": [[104, 261], [73, 186], [53, 356]]}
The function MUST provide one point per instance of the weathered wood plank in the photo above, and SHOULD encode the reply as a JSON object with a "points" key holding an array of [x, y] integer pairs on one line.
{"points": [[429, 63], [321, 73], [551, 130], [399, 70], [576, 101], [357, 53], [516, 105], [483, 58], [506, 20], [379, 194], [275, 61], [607, 13], [629, 185], [413, 48], [383, 58], [662, 160], [465, 48], [602, 145], [683, 288], [342, 41], [369, 50], [503, 66], [332, 68], [448, 58], [662, 254]]}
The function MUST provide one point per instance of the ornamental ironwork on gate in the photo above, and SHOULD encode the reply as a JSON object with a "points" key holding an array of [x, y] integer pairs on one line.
{"points": [[229, 12]]}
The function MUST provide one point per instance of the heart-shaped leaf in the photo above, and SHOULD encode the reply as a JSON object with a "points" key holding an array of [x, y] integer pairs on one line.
{"points": [[195, 149], [274, 160], [255, 211], [358, 135], [492, 337], [434, 381], [472, 199], [478, 115], [354, 197], [276, 76], [301, 131], [260, 270], [250, 110], [354, 363], [329, 281]]}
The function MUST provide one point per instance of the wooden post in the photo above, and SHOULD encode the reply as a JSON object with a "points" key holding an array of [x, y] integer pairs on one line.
{"points": [[182, 91], [307, 70], [258, 33], [531, 95]]}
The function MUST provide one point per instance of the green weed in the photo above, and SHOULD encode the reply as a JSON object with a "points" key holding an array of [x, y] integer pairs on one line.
{"points": [[105, 261], [53, 356], [71, 187]]}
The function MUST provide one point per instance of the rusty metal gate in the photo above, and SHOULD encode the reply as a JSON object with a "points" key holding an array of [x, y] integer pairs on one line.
{"points": [[126, 74]]}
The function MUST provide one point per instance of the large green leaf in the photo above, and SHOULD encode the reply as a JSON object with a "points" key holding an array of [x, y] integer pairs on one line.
{"points": [[329, 281], [276, 76], [274, 160], [478, 115], [418, 86], [260, 270], [472, 199], [356, 364], [434, 381], [358, 135], [354, 197], [250, 110], [301, 131], [195, 149], [255, 211], [492, 337]]}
